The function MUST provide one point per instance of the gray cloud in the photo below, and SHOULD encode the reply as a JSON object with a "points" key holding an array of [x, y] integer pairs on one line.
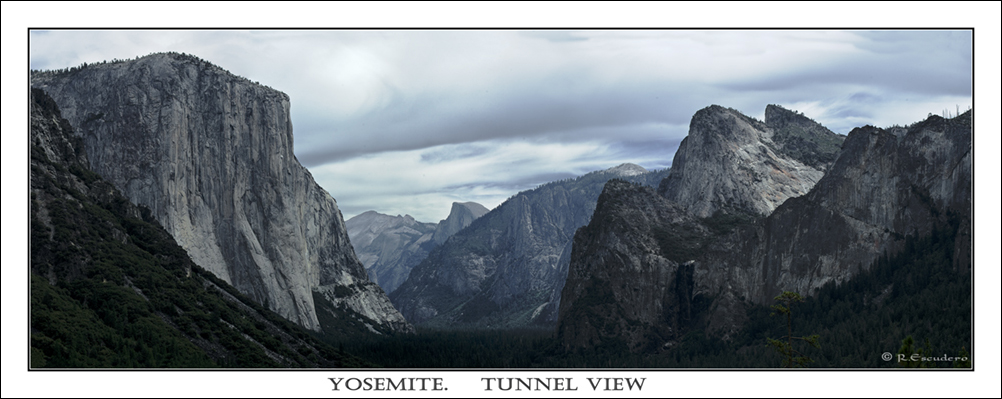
{"points": [[568, 111], [927, 63], [554, 35], [438, 155], [385, 119]]}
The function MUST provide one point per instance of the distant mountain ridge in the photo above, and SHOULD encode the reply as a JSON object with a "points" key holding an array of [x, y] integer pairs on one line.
{"points": [[507, 268], [390, 246]]}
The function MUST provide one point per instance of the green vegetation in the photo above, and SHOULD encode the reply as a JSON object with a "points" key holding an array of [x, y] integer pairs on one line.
{"points": [[182, 57], [816, 147], [917, 292], [111, 330], [791, 356], [804, 139], [126, 296]]}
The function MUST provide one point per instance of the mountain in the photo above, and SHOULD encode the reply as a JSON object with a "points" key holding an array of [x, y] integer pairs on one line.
{"points": [[390, 246], [111, 288], [649, 268], [735, 164], [632, 267], [801, 138], [630, 274], [507, 268], [884, 187], [461, 215], [210, 154]]}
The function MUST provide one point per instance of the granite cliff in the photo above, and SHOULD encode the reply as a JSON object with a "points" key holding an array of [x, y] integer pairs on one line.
{"points": [[508, 267], [211, 155], [630, 274], [461, 215], [885, 185], [733, 235], [390, 246], [111, 288], [733, 163]]}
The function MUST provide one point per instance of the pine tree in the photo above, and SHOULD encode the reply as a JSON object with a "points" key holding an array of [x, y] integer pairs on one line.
{"points": [[792, 357]]}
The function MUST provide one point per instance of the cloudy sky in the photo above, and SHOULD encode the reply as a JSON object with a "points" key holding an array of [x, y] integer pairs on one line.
{"points": [[408, 121], [589, 100]]}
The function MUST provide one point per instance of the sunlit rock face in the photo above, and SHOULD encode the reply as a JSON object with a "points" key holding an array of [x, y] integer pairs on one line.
{"points": [[732, 163], [211, 154]]}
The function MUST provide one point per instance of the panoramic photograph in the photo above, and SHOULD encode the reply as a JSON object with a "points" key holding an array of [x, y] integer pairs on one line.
{"points": [[438, 200]]}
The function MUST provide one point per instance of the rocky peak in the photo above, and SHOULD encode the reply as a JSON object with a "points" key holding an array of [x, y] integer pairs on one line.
{"points": [[729, 162], [365, 227], [801, 138], [627, 169], [630, 275], [461, 215], [777, 117], [892, 180], [389, 246]]}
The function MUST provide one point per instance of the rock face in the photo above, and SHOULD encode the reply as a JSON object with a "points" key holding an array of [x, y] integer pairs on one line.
{"points": [[461, 215], [881, 187], [732, 163], [801, 138], [625, 282], [630, 281], [111, 288], [508, 267], [210, 153], [390, 246]]}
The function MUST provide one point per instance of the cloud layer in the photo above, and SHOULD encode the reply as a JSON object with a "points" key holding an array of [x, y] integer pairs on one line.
{"points": [[409, 121]]}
